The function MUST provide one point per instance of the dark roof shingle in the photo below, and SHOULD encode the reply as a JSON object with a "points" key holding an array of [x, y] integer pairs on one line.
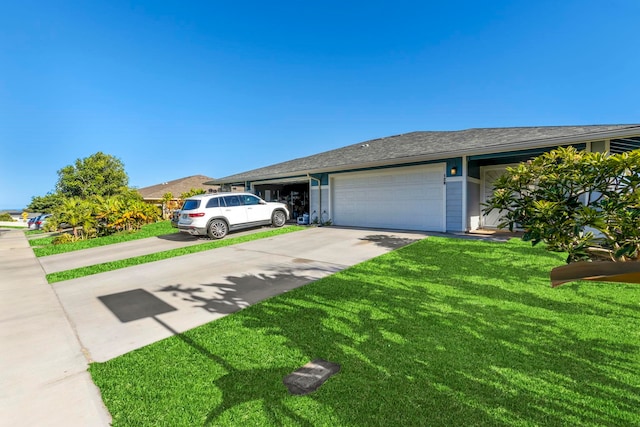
{"points": [[429, 144]]}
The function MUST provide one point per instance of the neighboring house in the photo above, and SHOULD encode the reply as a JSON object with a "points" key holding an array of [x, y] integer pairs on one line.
{"points": [[432, 181], [155, 193]]}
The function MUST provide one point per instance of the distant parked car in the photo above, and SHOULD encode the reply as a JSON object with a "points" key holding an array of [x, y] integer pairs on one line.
{"points": [[41, 221], [31, 222], [215, 215]]}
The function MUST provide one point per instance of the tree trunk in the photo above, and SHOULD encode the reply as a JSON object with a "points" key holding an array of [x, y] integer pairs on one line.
{"points": [[604, 271]]}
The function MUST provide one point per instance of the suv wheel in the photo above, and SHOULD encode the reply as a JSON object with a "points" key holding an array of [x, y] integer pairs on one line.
{"points": [[217, 229], [278, 219]]}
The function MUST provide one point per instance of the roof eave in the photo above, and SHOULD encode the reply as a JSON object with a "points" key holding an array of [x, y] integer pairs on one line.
{"points": [[517, 146]]}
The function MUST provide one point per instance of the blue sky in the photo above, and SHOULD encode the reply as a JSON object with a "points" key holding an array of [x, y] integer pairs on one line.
{"points": [[180, 88]]}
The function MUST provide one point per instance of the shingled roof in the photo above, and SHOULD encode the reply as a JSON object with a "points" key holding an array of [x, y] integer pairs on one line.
{"points": [[176, 187], [433, 145]]}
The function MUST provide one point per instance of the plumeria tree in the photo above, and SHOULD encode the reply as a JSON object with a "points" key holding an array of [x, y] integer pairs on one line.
{"points": [[586, 204]]}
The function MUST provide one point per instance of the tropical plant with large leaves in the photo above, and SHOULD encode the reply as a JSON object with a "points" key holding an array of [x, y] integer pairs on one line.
{"points": [[124, 212], [133, 215], [107, 212], [77, 213], [168, 205], [583, 203]]}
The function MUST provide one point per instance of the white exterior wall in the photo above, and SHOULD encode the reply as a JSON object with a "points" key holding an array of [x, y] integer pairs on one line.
{"points": [[314, 200]]}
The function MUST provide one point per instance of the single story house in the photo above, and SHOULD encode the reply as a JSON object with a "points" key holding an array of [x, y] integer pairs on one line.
{"points": [[431, 181], [154, 194]]}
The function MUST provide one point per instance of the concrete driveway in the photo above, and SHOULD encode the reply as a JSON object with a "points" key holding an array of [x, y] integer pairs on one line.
{"points": [[70, 260], [119, 311]]}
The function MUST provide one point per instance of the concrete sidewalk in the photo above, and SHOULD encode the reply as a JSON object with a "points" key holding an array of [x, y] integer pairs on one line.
{"points": [[43, 370], [13, 224], [86, 257], [131, 249]]}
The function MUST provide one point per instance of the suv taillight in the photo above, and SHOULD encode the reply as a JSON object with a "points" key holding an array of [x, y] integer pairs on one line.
{"points": [[196, 215]]}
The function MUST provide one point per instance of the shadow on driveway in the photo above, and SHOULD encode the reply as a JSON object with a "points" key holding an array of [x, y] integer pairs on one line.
{"points": [[389, 242]]}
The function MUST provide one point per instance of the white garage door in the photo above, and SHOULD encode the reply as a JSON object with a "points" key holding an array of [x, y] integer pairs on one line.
{"points": [[409, 198]]}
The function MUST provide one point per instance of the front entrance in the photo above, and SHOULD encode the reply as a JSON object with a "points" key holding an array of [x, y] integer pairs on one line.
{"points": [[489, 175]]}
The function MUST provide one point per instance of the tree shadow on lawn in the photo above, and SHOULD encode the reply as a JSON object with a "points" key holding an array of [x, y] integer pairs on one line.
{"points": [[242, 386], [237, 386], [424, 336], [443, 349]]}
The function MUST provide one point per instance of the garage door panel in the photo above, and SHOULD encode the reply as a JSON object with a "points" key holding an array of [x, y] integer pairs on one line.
{"points": [[404, 198]]}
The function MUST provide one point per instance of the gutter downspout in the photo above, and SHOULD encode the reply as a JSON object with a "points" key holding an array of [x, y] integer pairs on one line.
{"points": [[319, 197], [465, 197]]}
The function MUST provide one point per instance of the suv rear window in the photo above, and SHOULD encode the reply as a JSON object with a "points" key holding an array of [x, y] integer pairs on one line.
{"points": [[190, 204]]}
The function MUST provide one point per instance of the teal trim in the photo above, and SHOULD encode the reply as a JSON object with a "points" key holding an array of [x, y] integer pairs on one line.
{"points": [[323, 177], [475, 162], [454, 163], [262, 182], [531, 152], [473, 169]]}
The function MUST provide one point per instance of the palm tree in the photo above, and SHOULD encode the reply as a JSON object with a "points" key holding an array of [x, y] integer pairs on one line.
{"points": [[108, 212], [75, 212]]}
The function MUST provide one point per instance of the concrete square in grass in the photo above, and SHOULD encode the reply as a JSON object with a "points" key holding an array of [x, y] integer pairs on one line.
{"points": [[309, 377]]}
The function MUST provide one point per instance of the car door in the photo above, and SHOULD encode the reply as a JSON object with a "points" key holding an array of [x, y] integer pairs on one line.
{"points": [[234, 210], [257, 210]]}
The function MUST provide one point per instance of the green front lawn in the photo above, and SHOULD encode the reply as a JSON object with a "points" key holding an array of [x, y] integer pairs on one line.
{"points": [[44, 246], [443, 332]]}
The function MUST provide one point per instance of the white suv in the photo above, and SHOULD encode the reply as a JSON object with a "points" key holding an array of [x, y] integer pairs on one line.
{"points": [[215, 215]]}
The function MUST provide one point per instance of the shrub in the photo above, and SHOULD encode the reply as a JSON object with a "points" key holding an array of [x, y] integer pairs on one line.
{"points": [[64, 238], [585, 204]]}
